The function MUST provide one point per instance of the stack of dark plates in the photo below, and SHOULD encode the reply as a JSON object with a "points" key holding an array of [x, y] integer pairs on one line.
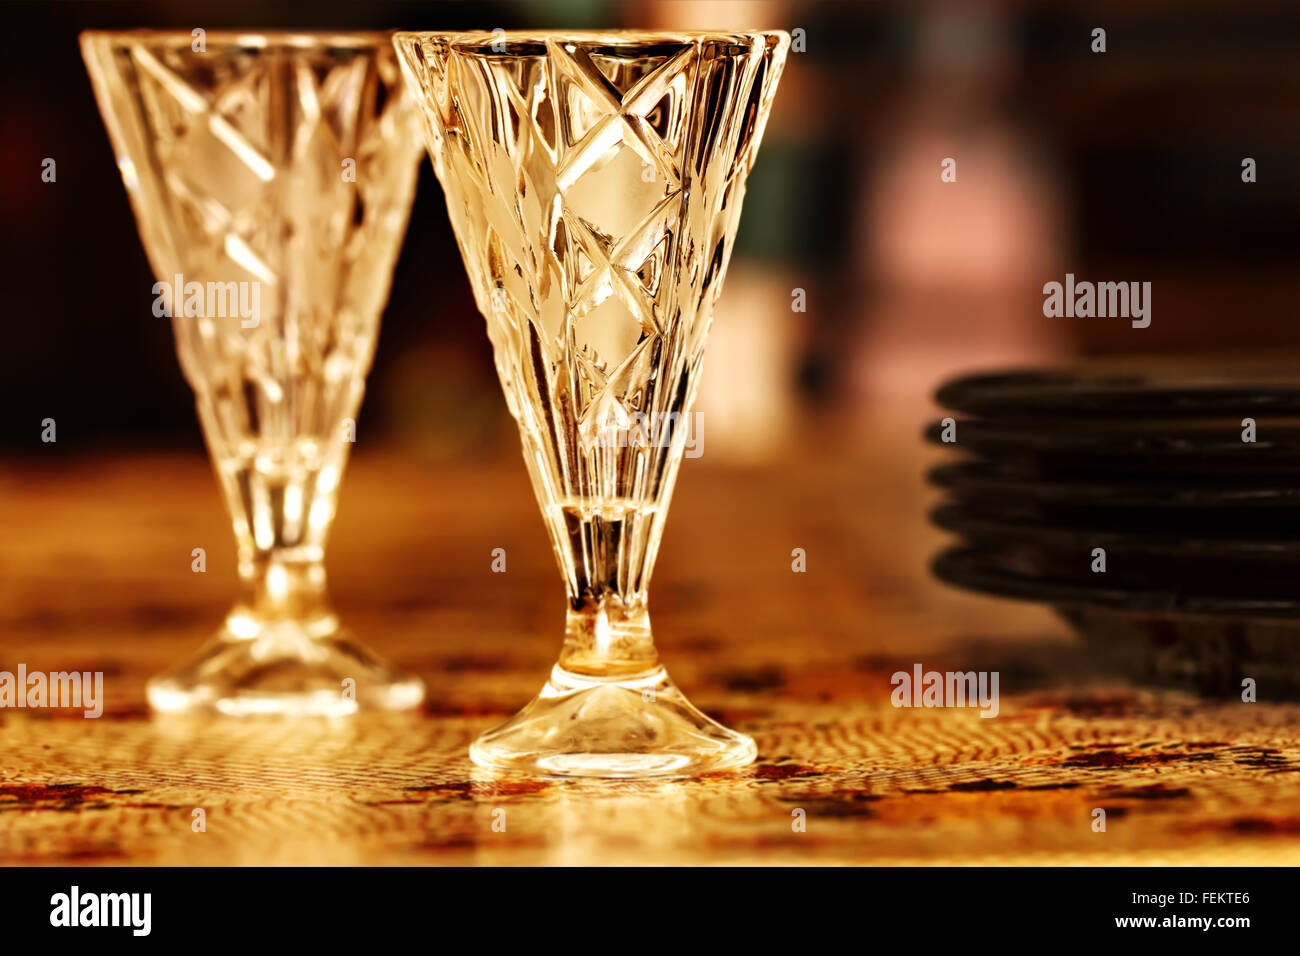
{"points": [[1158, 511]]}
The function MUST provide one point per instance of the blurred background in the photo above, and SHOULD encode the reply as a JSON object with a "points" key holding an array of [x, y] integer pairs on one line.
{"points": [[1117, 166]]}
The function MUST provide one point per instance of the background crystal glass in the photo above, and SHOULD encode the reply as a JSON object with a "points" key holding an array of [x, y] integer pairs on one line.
{"points": [[594, 182], [279, 167]]}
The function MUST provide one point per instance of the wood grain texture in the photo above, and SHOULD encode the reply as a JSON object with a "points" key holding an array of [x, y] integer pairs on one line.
{"points": [[95, 575]]}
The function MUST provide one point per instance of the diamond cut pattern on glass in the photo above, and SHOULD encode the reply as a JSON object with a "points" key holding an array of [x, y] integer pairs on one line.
{"points": [[595, 194], [594, 183], [281, 166]]}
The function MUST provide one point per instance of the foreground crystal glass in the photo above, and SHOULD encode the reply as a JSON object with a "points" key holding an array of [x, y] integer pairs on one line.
{"points": [[594, 183], [275, 171]]}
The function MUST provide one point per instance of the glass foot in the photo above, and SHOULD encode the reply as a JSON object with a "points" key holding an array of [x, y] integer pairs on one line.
{"points": [[625, 727], [284, 671]]}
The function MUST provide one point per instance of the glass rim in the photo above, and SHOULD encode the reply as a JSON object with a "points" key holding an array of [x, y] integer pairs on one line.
{"points": [[251, 38], [615, 37]]}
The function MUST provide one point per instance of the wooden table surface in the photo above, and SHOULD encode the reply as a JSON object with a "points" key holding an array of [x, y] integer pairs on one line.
{"points": [[95, 575]]}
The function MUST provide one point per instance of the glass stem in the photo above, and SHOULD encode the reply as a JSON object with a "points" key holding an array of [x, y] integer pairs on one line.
{"points": [[606, 635], [286, 585]]}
